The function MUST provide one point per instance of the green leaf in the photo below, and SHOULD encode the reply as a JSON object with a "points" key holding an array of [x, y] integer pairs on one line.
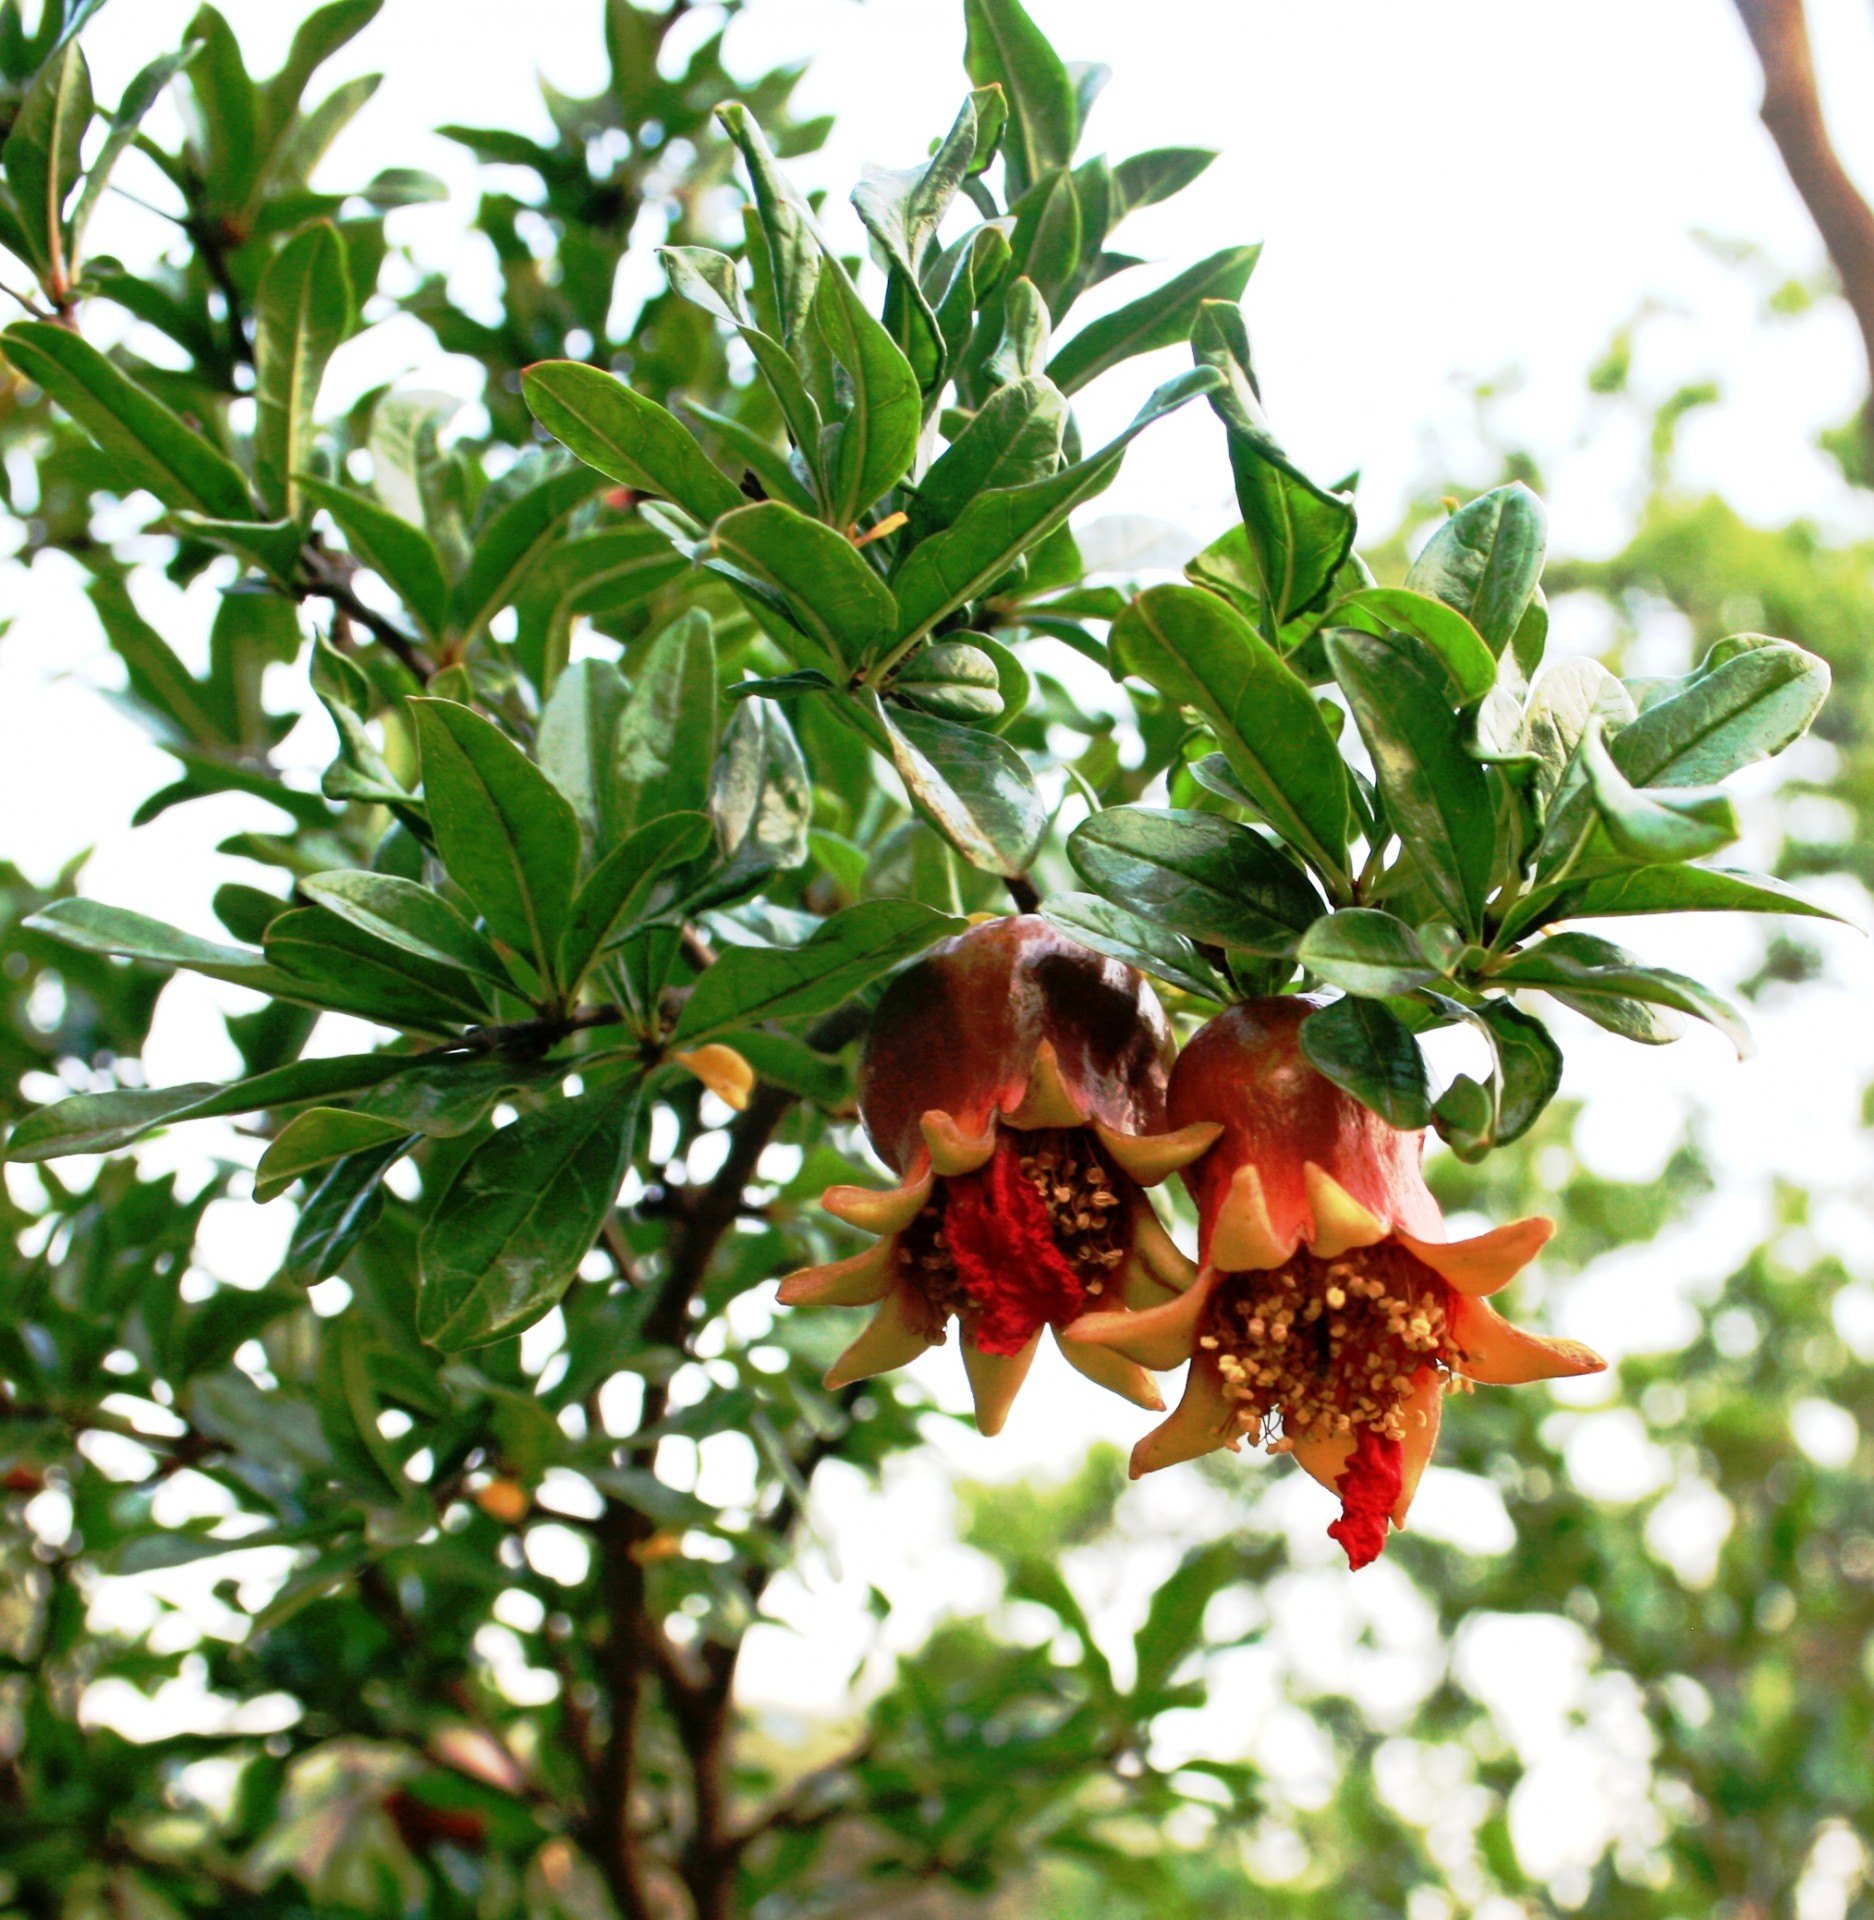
{"points": [[315, 1139], [1162, 318], [875, 445], [151, 445], [273, 546], [1196, 874], [1529, 1069], [404, 556], [1299, 533], [1145, 179], [1047, 245], [339, 1212], [409, 916], [1366, 952], [1436, 795], [665, 743], [1587, 973], [1690, 890], [332, 962], [1369, 1052], [1000, 525], [94, 927], [772, 465], [442, 1099], [620, 887], [41, 158], [760, 793], [972, 786], [1486, 561], [1570, 697], [846, 952], [1014, 440], [576, 739], [1458, 645], [100, 1122], [1200, 653], [811, 573], [953, 679], [511, 545], [301, 314], [794, 249], [626, 437], [507, 835], [1005, 48], [1660, 824], [1109, 929], [1748, 700], [521, 1213]]}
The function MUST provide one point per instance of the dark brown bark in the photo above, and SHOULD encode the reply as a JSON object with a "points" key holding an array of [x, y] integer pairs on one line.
{"points": [[1792, 111]]}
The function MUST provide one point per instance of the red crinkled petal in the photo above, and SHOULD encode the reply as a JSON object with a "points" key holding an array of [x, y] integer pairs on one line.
{"points": [[999, 1234], [1369, 1489]]}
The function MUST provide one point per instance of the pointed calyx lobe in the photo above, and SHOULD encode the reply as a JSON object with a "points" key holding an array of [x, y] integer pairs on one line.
{"points": [[1331, 1315], [1016, 1082]]}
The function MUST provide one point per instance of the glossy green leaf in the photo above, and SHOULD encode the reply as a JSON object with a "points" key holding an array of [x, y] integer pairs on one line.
{"points": [[748, 985], [100, 1122], [410, 916], [621, 886], [150, 443], [873, 445], [301, 315], [665, 743], [626, 436], [1435, 793], [1000, 525], [1689, 890], [1458, 645], [1369, 1052], [1014, 440], [973, 787], [1585, 972], [315, 1139], [41, 158], [1366, 952], [1144, 179], [1005, 48], [1486, 561], [813, 574], [1196, 874], [1110, 929], [1651, 825], [511, 545], [511, 1228], [333, 962], [403, 555], [575, 742], [1300, 534], [1748, 700], [786, 222], [98, 928], [339, 1211], [1200, 653], [952, 679], [1049, 237], [444, 1098], [507, 835], [1162, 318], [760, 792]]}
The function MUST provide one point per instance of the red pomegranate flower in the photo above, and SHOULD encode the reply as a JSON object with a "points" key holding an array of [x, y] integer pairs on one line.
{"points": [[1016, 1081], [1331, 1315]]}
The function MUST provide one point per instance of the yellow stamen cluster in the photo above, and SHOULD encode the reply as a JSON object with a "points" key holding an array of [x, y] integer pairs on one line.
{"points": [[1088, 1209], [1329, 1346]]}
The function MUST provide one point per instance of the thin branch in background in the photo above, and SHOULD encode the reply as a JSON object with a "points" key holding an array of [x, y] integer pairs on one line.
{"points": [[1792, 111]]}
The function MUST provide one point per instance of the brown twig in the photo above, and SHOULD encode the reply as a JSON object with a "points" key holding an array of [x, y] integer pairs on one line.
{"points": [[1792, 111], [323, 581]]}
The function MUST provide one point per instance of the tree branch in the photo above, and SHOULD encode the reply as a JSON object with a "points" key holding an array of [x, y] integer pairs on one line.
{"points": [[1792, 111]]}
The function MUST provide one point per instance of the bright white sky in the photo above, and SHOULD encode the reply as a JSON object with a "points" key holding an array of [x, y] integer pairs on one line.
{"points": [[1448, 189]]}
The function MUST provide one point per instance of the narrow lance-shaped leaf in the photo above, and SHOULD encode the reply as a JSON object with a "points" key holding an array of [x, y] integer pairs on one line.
{"points": [[665, 741], [846, 952], [1588, 972], [1000, 525], [150, 443], [512, 544], [1199, 652], [815, 575], [315, 1139], [410, 916], [1162, 318], [507, 835], [620, 887], [41, 157], [626, 436], [402, 554], [1005, 48], [301, 314]]}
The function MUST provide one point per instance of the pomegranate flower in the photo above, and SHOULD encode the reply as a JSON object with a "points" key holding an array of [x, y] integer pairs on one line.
{"points": [[1331, 1315], [1016, 1081]]}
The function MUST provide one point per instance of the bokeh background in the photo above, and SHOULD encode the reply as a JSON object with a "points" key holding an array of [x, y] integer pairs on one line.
{"points": [[1624, 1661]]}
